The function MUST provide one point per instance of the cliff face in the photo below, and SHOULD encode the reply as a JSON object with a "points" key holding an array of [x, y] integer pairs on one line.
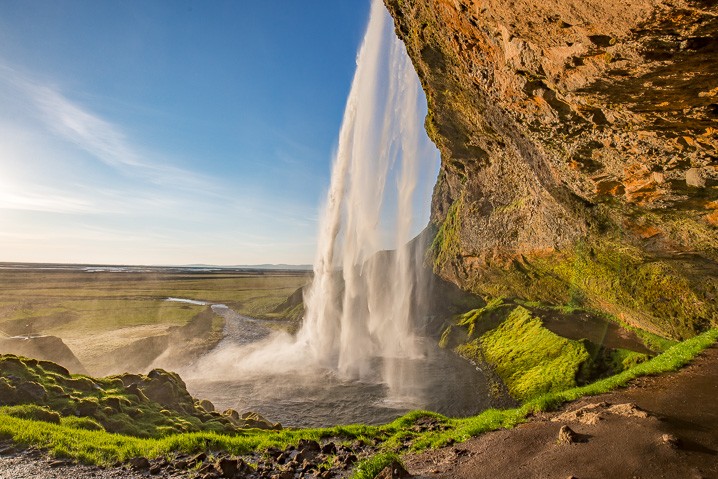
{"points": [[579, 143]]}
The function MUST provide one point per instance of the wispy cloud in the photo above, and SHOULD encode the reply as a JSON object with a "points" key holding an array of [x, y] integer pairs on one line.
{"points": [[77, 186], [44, 200], [101, 138]]}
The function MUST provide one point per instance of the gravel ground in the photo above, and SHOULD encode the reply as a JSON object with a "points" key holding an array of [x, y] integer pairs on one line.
{"points": [[33, 464]]}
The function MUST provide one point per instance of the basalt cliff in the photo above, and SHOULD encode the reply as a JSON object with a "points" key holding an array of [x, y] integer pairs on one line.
{"points": [[579, 143]]}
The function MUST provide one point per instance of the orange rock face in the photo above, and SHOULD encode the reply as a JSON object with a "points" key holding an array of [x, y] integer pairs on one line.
{"points": [[558, 120]]}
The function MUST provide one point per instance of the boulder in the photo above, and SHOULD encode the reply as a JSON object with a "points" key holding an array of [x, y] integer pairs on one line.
{"points": [[30, 392], [566, 435], [394, 471], [256, 420], [206, 405]]}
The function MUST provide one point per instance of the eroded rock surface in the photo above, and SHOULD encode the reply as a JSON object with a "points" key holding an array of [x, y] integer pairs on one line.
{"points": [[579, 151]]}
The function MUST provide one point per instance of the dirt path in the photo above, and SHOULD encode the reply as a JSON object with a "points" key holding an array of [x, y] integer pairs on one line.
{"points": [[672, 433]]}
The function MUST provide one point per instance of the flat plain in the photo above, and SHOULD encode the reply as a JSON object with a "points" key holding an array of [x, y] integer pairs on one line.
{"points": [[106, 314]]}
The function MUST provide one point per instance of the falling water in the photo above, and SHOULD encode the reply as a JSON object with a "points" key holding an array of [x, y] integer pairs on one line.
{"points": [[358, 356], [358, 308]]}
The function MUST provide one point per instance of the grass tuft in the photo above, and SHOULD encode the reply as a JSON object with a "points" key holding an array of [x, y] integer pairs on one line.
{"points": [[369, 468]]}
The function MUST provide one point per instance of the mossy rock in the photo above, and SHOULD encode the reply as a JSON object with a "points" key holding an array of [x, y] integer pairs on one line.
{"points": [[85, 423], [32, 411], [145, 406], [529, 358]]}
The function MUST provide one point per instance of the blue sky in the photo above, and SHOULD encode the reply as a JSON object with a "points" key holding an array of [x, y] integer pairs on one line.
{"points": [[170, 132]]}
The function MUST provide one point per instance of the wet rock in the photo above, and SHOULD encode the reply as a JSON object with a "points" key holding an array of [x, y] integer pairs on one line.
{"points": [[135, 389], [8, 392], [228, 467], [196, 459], [309, 445], [329, 448], [207, 469], [394, 471], [54, 368], [139, 463], [168, 389], [256, 420], [155, 469], [86, 407], [30, 392], [7, 449], [566, 435]]}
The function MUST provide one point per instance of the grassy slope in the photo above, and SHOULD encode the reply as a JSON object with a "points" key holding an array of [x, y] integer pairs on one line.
{"points": [[104, 448], [529, 358]]}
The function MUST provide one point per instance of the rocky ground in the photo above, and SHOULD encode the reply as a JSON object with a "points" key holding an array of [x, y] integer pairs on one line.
{"points": [[309, 459], [663, 426]]}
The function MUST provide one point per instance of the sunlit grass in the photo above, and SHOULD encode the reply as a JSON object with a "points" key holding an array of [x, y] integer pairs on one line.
{"points": [[98, 447]]}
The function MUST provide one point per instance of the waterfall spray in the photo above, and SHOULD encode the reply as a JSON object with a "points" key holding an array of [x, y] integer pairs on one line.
{"points": [[361, 308], [359, 305], [358, 355]]}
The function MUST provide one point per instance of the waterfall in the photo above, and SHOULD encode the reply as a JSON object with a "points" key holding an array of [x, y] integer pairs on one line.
{"points": [[362, 307], [359, 306]]}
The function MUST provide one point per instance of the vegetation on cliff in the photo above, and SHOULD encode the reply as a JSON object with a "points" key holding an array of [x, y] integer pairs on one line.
{"points": [[578, 153], [531, 359]]}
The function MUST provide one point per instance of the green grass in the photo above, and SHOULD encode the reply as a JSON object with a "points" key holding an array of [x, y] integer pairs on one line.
{"points": [[100, 447], [369, 468]]}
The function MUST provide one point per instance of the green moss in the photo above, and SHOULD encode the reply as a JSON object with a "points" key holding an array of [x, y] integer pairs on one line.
{"points": [[622, 359], [446, 245], [531, 359], [27, 386], [469, 320], [369, 468], [669, 297]]}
